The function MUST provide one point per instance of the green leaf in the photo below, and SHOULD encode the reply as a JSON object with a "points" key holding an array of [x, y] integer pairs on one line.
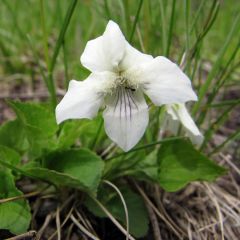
{"points": [[83, 130], [89, 131], [147, 167], [138, 217], [180, 163], [39, 125], [75, 168], [12, 135], [37, 116], [15, 215], [70, 132], [9, 155]]}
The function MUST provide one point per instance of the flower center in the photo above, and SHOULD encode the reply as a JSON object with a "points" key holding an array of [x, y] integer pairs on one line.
{"points": [[123, 81]]}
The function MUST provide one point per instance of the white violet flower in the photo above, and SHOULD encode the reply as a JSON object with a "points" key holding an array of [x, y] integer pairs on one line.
{"points": [[120, 77], [178, 113]]}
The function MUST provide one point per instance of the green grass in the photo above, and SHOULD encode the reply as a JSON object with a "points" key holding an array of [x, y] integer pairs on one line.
{"points": [[44, 40], [205, 31], [55, 33]]}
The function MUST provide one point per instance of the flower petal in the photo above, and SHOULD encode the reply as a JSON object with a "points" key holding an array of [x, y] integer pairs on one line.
{"points": [[133, 57], [82, 100], [171, 122], [189, 125], [164, 82], [105, 52], [126, 117], [180, 112]]}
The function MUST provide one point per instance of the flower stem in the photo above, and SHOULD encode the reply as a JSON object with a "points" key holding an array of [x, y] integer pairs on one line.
{"points": [[145, 146], [97, 134]]}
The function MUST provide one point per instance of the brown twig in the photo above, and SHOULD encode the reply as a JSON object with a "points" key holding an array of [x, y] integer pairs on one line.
{"points": [[27, 195], [83, 229], [154, 222], [58, 223], [31, 234], [45, 224], [63, 223], [161, 216]]}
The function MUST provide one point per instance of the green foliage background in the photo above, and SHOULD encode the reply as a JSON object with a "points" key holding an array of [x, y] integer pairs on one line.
{"points": [[69, 155]]}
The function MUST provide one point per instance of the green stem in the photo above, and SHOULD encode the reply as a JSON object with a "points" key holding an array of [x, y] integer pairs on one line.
{"points": [[35, 54], [197, 15], [145, 146], [49, 81], [45, 35], [126, 15], [232, 137], [203, 90], [97, 134], [207, 26], [170, 32], [14, 18], [16, 169], [223, 76], [216, 124], [163, 25], [187, 29], [60, 40], [65, 64], [224, 103], [107, 9], [136, 20]]}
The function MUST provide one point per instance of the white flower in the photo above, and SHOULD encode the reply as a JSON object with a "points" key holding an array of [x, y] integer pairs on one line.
{"points": [[178, 113], [120, 76]]}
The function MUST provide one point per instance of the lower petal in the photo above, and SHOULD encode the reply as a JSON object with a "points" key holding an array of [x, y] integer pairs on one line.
{"points": [[189, 125], [171, 122], [82, 100], [126, 117], [179, 113]]}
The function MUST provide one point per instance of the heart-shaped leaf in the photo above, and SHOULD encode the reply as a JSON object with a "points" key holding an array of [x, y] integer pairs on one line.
{"points": [[75, 168], [180, 163]]}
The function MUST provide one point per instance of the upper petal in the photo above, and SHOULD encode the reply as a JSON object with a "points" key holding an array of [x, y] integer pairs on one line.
{"points": [[105, 52], [126, 117], [164, 82], [82, 100], [133, 57]]}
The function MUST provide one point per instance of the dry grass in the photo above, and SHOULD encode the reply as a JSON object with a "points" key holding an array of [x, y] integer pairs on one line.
{"points": [[200, 211]]}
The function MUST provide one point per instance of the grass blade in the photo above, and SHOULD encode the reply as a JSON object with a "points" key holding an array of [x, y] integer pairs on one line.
{"points": [[222, 145], [163, 25], [217, 124], [45, 36], [136, 20], [59, 43], [204, 88], [170, 31]]}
